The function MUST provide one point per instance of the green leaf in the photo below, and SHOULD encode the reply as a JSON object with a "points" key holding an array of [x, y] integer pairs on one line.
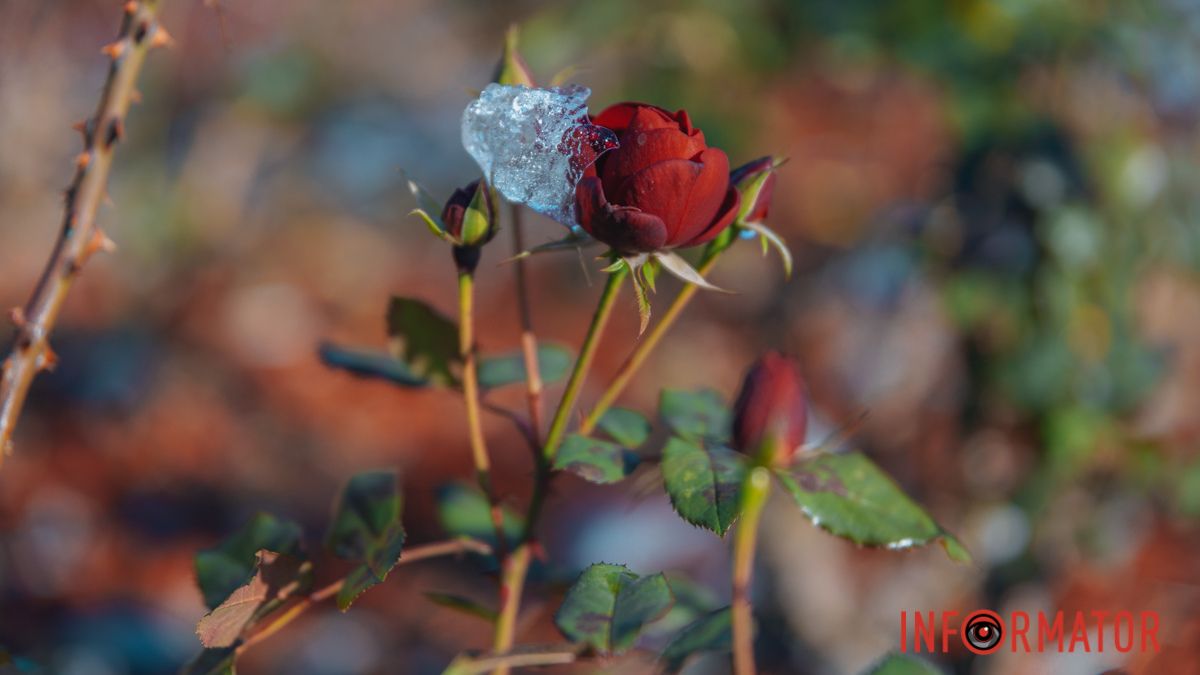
{"points": [[497, 371], [223, 569], [461, 604], [431, 207], [425, 339], [902, 664], [608, 606], [712, 632], [366, 528], [218, 661], [593, 460], [849, 496], [465, 512], [703, 483], [695, 415], [370, 363], [277, 578], [625, 426]]}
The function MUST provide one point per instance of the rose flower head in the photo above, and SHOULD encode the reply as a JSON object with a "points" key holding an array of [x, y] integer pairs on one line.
{"points": [[662, 188], [771, 411]]}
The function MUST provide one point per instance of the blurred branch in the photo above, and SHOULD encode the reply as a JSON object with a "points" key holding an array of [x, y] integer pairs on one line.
{"points": [[79, 238], [533, 377]]}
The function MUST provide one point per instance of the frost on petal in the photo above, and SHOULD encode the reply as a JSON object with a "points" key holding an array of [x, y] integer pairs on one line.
{"points": [[533, 145]]}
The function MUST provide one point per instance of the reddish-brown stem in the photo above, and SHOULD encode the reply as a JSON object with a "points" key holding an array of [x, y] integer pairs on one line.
{"points": [[529, 344], [79, 237]]}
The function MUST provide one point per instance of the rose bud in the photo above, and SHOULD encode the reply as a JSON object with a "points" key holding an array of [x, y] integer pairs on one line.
{"points": [[755, 181], [662, 188], [470, 219], [770, 415], [512, 69]]}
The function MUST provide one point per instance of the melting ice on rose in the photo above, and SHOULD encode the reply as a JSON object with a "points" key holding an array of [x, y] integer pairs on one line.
{"points": [[533, 145]]}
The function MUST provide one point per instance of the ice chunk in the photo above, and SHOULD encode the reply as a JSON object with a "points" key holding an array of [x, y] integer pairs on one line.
{"points": [[533, 145]]}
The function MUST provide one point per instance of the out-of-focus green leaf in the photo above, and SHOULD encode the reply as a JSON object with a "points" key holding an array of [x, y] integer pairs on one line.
{"points": [[465, 512], [425, 339], [219, 661], [366, 528], [370, 363], [849, 496], [625, 426], [695, 415], [703, 483], [223, 569], [902, 664], [497, 371], [277, 578], [461, 604], [608, 606], [594, 460], [712, 632]]}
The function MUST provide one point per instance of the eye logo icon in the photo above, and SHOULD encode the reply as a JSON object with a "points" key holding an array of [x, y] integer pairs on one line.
{"points": [[982, 631]]}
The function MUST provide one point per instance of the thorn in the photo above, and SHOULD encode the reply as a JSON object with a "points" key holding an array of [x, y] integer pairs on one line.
{"points": [[161, 38], [17, 316], [116, 131], [83, 159], [47, 360], [101, 242], [131, 7], [114, 50]]}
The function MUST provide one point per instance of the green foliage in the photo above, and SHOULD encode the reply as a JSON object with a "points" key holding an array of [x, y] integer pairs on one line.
{"points": [[223, 569], [608, 606], [594, 460], [554, 362], [370, 363], [698, 416], [703, 483], [424, 339], [902, 664], [712, 632], [464, 512], [276, 579], [625, 426], [366, 528], [849, 496]]}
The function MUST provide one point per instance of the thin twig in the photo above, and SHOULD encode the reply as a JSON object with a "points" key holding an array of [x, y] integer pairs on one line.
{"points": [[79, 237], [529, 344], [755, 489], [526, 657]]}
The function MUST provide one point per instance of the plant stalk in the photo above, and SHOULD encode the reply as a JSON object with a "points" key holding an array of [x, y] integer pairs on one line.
{"points": [[755, 490], [529, 345], [79, 237]]}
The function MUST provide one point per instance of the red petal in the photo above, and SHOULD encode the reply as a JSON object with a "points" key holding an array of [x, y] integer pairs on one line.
{"points": [[725, 216], [640, 149], [705, 199], [661, 189], [618, 116], [626, 229]]}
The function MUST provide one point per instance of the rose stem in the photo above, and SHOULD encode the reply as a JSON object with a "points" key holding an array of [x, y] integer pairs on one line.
{"points": [[470, 385], [755, 489], [517, 565], [79, 237], [415, 554], [529, 346], [646, 345]]}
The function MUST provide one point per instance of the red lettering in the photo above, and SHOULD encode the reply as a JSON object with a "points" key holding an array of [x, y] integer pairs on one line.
{"points": [[923, 631], [948, 630], [1048, 631], [1127, 619], [1150, 630], [1099, 616], [1079, 634], [1020, 628]]}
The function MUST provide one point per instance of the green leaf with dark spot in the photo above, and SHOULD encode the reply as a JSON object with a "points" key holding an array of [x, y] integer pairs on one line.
{"points": [[461, 604], [625, 426], [497, 371], [370, 363], [465, 512], [608, 606], [695, 415], [223, 569], [849, 496], [902, 664], [212, 662], [593, 460], [703, 483], [366, 528], [712, 632], [425, 339]]}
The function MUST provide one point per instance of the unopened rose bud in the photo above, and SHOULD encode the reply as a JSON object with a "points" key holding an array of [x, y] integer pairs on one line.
{"points": [[756, 182], [771, 412], [470, 218], [512, 69]]}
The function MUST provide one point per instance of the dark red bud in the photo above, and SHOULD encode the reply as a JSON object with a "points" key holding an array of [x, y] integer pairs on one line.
{"points": [[756, 197], [771, 412]]}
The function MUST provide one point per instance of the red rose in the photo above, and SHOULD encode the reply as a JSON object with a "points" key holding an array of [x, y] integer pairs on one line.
{"points": [[771, 408], [662, 188]]}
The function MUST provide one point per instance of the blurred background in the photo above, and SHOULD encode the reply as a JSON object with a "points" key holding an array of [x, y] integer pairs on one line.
{"points": [[993, 211]]}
